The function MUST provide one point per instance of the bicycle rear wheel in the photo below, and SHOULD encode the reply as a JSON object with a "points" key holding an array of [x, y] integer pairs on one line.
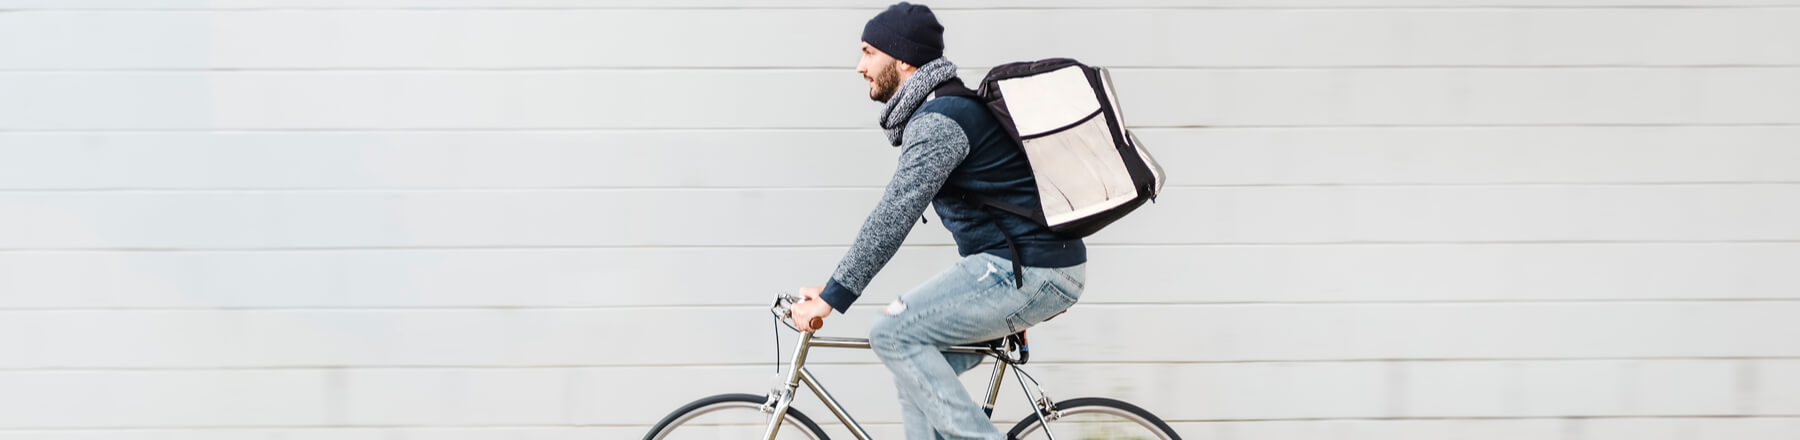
{"points": [[1096, 418], [730, 416]]}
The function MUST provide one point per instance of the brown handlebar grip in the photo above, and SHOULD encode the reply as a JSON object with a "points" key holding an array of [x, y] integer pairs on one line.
{"points": [[817, 323]]}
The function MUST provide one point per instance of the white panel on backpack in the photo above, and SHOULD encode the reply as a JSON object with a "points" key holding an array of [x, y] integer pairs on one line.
{"points": [[1047, 101], [1079, 172]]}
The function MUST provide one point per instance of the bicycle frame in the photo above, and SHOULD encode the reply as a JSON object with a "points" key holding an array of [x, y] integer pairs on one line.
{"points": [[797, 374]]}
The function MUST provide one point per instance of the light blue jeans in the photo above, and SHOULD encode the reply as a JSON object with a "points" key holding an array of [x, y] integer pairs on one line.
{"points": [[971, 302]]}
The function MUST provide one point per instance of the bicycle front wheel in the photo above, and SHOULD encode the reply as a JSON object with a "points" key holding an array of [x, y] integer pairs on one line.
{"points": [[731, 416], [1096, 418]]}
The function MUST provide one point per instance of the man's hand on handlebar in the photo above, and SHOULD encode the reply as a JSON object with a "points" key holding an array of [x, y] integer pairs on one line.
{"points": [[810, 314]]}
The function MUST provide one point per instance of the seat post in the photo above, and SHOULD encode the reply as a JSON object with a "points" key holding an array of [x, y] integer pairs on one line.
{"points": [[993, 393]]}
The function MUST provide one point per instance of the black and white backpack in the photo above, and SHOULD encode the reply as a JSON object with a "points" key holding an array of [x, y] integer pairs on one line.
{"points": [[1089, 169]]}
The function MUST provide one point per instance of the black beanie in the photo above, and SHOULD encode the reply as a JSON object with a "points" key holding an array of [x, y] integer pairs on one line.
{"points": [[907, 32]]}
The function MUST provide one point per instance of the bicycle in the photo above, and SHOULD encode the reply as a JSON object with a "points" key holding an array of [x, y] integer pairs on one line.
{"points": [[736, 415]]}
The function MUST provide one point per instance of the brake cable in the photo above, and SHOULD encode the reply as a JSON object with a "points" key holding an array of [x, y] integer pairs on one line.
{"points": [[775, 330]]}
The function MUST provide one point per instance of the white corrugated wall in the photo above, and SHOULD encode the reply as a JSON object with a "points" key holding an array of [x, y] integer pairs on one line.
{"points": [[559, 219]]}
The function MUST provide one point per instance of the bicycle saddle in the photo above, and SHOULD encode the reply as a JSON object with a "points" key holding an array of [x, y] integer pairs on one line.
{"points": [[1018, 338]]}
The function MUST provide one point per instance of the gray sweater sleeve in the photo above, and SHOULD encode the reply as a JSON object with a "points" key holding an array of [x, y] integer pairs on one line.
{"points": [[932, 147]]}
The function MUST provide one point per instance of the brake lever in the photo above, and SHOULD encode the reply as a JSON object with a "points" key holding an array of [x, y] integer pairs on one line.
{"points": [[784, 310]]}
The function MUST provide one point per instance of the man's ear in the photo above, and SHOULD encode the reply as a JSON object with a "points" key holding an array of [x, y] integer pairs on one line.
{"points": [[907, 68]]}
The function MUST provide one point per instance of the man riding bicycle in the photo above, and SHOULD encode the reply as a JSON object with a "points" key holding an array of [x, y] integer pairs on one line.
{"points": [[950, 145]]}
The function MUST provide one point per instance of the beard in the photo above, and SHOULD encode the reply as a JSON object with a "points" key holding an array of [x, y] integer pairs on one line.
{"points": [[887, 81]]}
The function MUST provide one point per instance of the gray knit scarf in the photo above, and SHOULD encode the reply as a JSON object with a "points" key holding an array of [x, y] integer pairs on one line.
{"points": [[912, 93]]}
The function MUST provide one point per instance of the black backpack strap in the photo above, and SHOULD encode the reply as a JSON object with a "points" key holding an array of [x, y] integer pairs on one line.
{"points": [[1004, 206], [954, 87], [1018, 268], [985, 200]]}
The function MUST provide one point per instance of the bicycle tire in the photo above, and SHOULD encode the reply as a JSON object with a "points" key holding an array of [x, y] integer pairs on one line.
{"points": [[1082, 405], [674, 420]]}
